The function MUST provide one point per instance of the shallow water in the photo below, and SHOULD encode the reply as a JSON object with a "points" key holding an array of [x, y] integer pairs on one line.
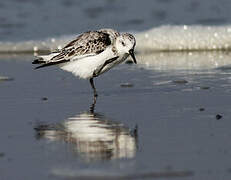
{"points": [[166, 126]]}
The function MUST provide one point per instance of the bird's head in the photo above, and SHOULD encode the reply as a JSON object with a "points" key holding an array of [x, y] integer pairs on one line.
{"points": [[125, 44]]}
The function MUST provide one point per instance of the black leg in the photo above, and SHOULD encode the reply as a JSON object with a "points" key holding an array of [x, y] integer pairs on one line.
{"points": [[92, 107], [93, 87]]}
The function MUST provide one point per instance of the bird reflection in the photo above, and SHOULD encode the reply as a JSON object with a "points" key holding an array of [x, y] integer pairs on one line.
{"points": [[92, 136]]}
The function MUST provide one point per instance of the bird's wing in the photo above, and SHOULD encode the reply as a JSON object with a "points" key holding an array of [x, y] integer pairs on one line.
{"points": [[88, 43]]}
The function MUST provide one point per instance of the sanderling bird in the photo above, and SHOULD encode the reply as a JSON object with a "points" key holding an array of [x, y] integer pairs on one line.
{"points": [[91, 54]]}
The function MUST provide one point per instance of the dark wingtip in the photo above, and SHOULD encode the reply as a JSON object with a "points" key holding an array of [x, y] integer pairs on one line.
{"points": [[38, 61], [41, 66], [51, 63]]}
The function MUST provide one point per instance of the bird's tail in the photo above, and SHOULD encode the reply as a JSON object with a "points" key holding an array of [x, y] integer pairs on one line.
{"points": [[46, 60]]}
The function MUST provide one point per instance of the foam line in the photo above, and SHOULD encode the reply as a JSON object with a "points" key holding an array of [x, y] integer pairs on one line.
{"points": [[163, 38], [185, 38]]}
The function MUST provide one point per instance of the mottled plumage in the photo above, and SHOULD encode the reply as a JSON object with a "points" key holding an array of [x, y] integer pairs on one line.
{"points": [[91, 53], [92, 42]]}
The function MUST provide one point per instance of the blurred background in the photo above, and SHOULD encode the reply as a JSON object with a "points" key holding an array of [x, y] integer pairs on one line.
{"points": [[35, 19]]}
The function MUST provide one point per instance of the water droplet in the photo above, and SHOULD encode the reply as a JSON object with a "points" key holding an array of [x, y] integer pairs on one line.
{"points": [[35, 48], [185, 27], [146, 35]]}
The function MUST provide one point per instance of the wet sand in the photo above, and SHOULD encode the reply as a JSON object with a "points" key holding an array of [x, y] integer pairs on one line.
{"points": [[146, 124]]}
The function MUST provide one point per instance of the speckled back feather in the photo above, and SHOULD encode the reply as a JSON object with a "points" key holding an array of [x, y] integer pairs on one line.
{"points": [[91, 42]]}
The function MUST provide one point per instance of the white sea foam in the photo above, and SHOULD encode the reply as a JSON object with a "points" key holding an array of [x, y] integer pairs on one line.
{"points": [[49, 44], [185, 38], [163, 38]]}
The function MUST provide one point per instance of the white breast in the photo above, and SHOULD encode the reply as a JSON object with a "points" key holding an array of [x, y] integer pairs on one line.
{"points": [[85, 67]]}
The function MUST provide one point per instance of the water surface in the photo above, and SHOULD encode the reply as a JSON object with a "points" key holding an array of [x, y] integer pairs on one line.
{"points": [[165, 126]]}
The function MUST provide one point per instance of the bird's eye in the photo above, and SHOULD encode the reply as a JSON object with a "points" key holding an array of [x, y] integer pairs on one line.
{"points": [[123, 43]]}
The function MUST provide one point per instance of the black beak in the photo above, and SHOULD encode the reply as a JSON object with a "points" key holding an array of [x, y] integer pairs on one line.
{"points": [[131, 52]]}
